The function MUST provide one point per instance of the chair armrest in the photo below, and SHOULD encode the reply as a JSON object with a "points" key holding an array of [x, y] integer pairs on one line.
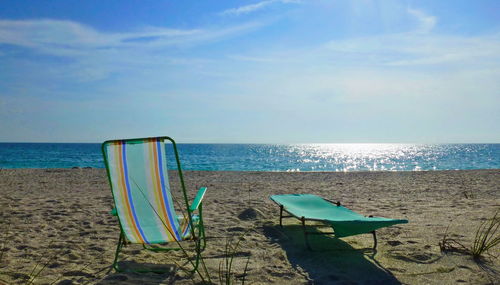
{"points": [[197, 200]]}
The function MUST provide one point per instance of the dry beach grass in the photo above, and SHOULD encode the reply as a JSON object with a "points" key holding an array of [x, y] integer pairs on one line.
{"points": [[59, 218]]}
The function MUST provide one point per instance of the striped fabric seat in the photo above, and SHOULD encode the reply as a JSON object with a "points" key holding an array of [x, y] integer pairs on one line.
{"points": [[139, 180]]}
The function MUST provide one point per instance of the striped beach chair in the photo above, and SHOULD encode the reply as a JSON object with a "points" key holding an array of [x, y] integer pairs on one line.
{"points": [[137, 172]]}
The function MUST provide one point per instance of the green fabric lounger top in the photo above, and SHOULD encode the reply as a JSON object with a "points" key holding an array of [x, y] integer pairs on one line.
{"points": [[344, 221]]}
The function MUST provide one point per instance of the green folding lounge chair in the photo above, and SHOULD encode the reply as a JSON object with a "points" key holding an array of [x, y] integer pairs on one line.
{"points": [[137, 172], [345, 222]]}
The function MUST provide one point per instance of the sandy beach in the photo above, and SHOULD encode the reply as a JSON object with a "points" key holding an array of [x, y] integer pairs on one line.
{"points": [[60, 218]]}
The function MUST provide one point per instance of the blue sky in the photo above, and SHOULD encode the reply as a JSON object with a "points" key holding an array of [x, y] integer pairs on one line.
{"points": [[272, 71]]}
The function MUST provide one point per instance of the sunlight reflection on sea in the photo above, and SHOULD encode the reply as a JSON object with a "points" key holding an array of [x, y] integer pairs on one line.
{"points": [[272, 157]]}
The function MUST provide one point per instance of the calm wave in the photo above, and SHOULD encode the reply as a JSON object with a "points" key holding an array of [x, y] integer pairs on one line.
{"points": [[271, 157]]}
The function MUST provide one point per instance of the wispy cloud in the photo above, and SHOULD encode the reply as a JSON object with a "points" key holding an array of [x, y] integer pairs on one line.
{"points": [[254, 58], [425, 22], [368, 84], [67, 38], [410, 49], [89, 55], [38, 32], [381, 70], [416, 47], [254, 7]]}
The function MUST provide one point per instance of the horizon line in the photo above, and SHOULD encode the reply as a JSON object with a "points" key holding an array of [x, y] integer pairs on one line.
{"points": [[262, 143]]}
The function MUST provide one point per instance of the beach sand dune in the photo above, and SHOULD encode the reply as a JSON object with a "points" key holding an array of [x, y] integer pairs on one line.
{"points": [[59, 218]]}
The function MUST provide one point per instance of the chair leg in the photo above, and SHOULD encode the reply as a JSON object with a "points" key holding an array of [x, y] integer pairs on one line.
{"points": [[121, 240], [374, 240], [200, 240], [200, 245], [198, 255], [203, 239], [201, 226]]}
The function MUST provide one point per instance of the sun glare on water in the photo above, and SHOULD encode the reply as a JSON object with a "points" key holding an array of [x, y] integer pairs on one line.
{"points": [[361, 156]]}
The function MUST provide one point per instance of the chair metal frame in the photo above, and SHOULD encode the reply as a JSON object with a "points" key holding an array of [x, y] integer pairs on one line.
{"points": [[200, 239]]}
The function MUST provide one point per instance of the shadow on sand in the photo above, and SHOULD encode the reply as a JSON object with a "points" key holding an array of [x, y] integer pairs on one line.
{"points": [[331, 260], [167, 277]]}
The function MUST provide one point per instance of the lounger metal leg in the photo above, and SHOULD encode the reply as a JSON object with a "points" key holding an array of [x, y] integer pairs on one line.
{"points": [[303, 219], [281, 215], [374, 240]]}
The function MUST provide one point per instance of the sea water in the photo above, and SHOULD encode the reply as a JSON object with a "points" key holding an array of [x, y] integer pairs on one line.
{"points": [[271, 157]]}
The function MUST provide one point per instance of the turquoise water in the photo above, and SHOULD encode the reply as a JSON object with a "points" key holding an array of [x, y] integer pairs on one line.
{"points": [[272, 157]]}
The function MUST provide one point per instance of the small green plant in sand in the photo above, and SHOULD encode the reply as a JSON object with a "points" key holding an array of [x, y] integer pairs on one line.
{"points": [[225, 274], [3, 249], [35, 272], [468, 195], [487, 237], [40, 267], [2, 243]]}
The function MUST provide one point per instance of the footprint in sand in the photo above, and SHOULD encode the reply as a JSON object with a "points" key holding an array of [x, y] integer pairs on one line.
{"points": [[393, 269], [54, 265], [77, 273], [96, 248], [423, 258], [116, 278], [394, 242], [236, 229], [22, 247], [464, 267]]}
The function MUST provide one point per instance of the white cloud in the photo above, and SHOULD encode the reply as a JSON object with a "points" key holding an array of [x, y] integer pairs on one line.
{"points": [[67, 38], [254, 7], [247, 9], [409, 70], [33, 33], [90, 55], [426, 22], [412, 49], [253, 58], [405, 77]]}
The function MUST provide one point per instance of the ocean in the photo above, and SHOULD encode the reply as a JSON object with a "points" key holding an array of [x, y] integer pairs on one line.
{"points": [[271, 157]]}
